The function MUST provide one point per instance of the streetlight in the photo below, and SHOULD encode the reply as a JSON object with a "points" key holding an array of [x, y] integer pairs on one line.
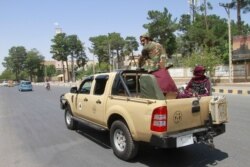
{"points": [[227, 7]]}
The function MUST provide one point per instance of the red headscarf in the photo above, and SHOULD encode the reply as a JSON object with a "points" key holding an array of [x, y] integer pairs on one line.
{"points": [[199, 71]]}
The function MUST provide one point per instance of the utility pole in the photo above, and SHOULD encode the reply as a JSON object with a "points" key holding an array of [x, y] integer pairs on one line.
{"points": [[110, 68], [93, 64], [227, 7], [73, 67]]}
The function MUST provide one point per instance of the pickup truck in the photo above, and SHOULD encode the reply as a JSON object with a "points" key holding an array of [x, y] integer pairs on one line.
{"points": [[130, 105]]}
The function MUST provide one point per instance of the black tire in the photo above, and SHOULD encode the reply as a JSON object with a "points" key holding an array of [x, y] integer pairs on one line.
{"points": [[122, 143], [69, 121]]}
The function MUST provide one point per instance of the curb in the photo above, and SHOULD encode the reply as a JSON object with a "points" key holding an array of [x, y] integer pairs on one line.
{"points": [[231, 91], [241, 91]]}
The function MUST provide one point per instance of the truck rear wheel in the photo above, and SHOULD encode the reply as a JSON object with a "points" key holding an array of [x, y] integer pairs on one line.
{"points": [[123, 145], [70, 122]]}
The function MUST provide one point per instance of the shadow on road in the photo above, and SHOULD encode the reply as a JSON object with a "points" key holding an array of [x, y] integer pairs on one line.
{"points": [[99, 137], [192, 156]]}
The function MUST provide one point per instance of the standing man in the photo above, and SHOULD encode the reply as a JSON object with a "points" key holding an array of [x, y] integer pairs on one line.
{"points": [[153, 59]]}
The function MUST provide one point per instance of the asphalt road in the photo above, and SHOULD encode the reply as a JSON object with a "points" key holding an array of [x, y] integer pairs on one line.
{"points": [[33, 134]]}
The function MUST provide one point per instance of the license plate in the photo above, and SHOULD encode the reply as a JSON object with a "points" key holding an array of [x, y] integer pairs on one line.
{"points": [[184, 140]]}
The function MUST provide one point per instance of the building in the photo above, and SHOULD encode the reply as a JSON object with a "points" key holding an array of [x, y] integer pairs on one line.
{"points": [[59, 69], [241, 58]]}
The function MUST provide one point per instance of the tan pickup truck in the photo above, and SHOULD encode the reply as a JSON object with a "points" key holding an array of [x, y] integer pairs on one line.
{"points": [[132, 107]]}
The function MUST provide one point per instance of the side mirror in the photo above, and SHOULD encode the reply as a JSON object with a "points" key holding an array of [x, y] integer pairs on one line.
{"points": [[73, 89]]}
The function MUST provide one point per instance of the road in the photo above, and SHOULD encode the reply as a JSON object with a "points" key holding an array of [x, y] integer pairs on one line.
{"points": [[33, 134]]}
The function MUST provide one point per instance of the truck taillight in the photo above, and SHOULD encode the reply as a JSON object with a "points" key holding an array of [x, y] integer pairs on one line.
{"points": [[159, 119]]}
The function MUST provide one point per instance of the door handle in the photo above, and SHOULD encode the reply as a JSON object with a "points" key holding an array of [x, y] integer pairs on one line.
{"points": [[98, 101], [85, 99]]}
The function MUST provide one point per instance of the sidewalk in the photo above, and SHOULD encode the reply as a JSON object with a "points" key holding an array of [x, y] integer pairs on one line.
{"points": [[242, 88]]}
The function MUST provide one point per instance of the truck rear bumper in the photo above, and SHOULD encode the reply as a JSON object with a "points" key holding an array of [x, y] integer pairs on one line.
{"points": [[198, 136]]}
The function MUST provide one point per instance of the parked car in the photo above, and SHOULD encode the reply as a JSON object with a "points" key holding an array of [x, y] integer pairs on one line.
{"points": [[4, 83], [25, 86]]}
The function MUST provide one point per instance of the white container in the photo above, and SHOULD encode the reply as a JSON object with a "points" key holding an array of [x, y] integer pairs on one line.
{"points": [[218, 109]]}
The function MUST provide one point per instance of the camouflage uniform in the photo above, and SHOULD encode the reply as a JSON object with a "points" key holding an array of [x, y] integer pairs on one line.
{"points": [[156, 56]]}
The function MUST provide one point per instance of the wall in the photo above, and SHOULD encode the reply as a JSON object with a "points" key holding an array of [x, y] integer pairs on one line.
{"points": [[240, 73]]}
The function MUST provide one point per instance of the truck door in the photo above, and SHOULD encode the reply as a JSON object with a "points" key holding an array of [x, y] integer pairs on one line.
{"points": [[97, 101], [82, 99]]}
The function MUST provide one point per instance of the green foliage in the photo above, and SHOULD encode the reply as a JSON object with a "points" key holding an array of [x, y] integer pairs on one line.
{"points": [[240, 5], [63, 46], [161, 28], [81, 59], [24, 75], [185, 22], [100, 47], [76, 50], [7, 75], [111, 45], [24, 65], [197, 39], [33, 62], [60, 50], [116, 43], [100, 67], [209, 59], [50, 70], [130, 45], [59, 47], [211, 36], [15, 60]]}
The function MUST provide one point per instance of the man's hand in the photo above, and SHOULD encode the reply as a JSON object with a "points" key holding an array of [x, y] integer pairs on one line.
{"points": [[169, 66]]}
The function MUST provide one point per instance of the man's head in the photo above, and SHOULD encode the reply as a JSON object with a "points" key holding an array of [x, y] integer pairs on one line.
{"points": [[144, 39]]}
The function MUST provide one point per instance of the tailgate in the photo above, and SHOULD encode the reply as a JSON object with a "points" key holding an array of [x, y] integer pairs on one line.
{"points": [[187, 113]]}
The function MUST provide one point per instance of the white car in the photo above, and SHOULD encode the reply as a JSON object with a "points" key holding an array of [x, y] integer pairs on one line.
{"points": [[4, 83]]}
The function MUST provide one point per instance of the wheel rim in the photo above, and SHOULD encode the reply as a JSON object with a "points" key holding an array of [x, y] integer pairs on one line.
{"points": [[119, 140], [68, 118]]}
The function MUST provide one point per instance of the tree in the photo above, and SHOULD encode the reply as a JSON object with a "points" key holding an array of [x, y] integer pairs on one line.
{"points": [[198, 36], [240, 5], [76, 50], [116, 44], [130, 45], [103, 46], [208, 59], [50, 70], [72, 46], [7, 75], [33, 62], [81, 59], [60, 51], [15, 60], [162, 28], [184, 45], [203, 8], [100, 48]]}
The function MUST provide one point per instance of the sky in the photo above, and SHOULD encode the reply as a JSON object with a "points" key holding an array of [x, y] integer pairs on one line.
{"points": [[32, 23]]}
